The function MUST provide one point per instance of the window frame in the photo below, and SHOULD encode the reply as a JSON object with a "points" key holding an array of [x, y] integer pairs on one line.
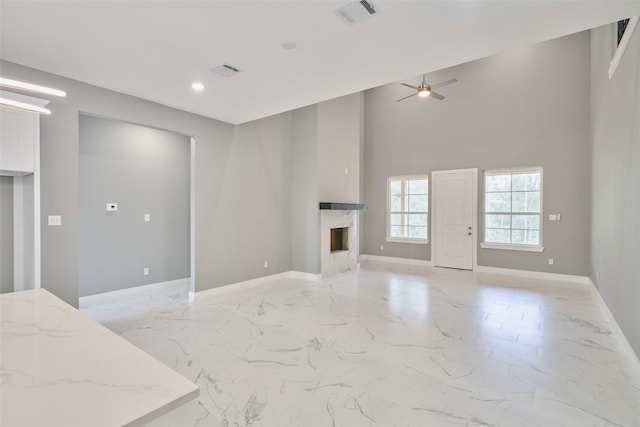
{"points": [[414, 240], [512, 246]]}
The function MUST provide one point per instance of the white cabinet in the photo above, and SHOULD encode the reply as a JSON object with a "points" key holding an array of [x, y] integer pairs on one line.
{"points": [[19, 134], [20, 160]]}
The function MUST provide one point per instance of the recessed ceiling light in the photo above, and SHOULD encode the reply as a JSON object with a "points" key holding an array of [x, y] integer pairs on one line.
{"points": [[197, 86]]}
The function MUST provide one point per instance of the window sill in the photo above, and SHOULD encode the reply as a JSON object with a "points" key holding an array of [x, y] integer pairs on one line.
{"points": [[408, 240], [525, 248]]}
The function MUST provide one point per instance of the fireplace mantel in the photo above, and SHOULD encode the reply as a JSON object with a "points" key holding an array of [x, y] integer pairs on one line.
{"points": [[338, 206]]}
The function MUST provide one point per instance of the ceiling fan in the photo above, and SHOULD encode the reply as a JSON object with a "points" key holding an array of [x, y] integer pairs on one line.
{"points": [[425, 89]]}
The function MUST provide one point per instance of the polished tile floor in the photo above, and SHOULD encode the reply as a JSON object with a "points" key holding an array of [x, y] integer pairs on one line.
{"points": [[386, 346]]}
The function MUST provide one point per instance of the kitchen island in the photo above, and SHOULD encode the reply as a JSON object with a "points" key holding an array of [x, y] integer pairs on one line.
{"points": [[60, 368]]}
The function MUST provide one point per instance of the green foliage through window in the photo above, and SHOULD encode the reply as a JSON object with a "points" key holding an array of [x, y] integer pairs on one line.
{"points": [[512, 206], [408, 215]]}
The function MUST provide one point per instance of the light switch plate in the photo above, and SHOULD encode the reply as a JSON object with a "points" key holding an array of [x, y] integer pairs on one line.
{"points": [[54, 220]]}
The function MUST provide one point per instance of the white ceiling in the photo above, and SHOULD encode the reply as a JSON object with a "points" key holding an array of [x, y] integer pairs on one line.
{"points": [[156, 49]]}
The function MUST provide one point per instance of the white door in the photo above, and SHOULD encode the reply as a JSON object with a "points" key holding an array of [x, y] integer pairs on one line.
{"points": [[454, 218]]}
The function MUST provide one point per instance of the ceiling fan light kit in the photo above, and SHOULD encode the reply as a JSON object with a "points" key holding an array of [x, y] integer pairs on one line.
{"points": [[424, 90]]}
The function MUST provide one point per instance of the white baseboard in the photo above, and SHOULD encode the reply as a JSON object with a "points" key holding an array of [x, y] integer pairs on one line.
{"points": [[258, 281], [626, 346], [394, 260], [483, 269], [305, 276], [583, 280], [143, 288]]}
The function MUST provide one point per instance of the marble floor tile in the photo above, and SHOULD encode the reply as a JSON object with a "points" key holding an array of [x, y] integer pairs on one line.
{"points": [[387, 345]]}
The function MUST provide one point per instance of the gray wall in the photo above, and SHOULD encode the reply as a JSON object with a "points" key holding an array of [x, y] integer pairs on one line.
{"points": [[529, 107], [339, 142], [305, 216], [253, 221], [6, 234], [229, 247], [615, 133], [144, 170], [327, 139]]}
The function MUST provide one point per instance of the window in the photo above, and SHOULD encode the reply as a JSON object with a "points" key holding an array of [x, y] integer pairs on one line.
{"points": [[512, 209], [408, 209]]}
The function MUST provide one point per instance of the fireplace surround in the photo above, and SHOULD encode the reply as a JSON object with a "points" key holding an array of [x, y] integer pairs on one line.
{"points": [[340, 221]]}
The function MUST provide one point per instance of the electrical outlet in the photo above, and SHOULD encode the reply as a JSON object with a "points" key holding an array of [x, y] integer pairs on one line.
{"points": [[550, 261], [382, 247], [145, 271], [147, 217], [266, 264]]}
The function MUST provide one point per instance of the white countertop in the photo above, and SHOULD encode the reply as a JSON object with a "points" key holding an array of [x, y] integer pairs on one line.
{"points": [[60, 368]]}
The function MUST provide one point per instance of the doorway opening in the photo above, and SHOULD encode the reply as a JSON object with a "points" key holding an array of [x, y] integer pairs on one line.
{"points": [[135, 207]]}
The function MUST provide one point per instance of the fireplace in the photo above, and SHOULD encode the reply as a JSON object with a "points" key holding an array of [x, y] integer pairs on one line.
{"points": [[339, 239]]}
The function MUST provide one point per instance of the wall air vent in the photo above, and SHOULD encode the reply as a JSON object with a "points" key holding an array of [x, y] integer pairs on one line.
{"points": [[357, 11], [225, 70]]}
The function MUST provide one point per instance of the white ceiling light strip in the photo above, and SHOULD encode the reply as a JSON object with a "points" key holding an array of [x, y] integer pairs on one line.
{"points": [[24, 106], [15, 84]]}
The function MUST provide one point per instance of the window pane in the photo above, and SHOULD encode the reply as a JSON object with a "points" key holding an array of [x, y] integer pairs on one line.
{"points": [[396, 204], [525, 237], [526, 181], [395, 187], [498, 182], [529, 222], [497, 221], [418, 203], [396, 231], [532, 237], [492, 235], [418, 219], [418, 232], [418, 186], [498, 202], [526, 201], [408, 207], [395, 219], [513, 191]]}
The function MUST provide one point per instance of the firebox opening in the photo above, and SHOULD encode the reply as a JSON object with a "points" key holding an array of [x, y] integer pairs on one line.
{"points": [[339, 239]]}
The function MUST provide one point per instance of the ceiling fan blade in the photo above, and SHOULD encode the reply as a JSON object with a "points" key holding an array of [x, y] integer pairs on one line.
{"points": [[436, 95], [445, 83], [412, 87], [402, 99]]}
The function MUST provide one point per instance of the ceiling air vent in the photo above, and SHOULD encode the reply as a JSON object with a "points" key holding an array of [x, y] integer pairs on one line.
{"points": [[225, 70], [357, 11]]}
